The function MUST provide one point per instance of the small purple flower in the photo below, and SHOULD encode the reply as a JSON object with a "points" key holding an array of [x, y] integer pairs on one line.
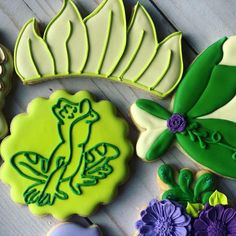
{"points": [[176, 123], [163, 218], [215, 221]]}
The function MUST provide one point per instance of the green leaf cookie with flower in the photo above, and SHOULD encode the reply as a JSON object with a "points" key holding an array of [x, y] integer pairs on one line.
{"points": [[202, 121], [66, 155]]}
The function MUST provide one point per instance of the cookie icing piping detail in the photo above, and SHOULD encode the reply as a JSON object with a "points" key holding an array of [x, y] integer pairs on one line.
{"points": [[50, 172], [116, 55], [209, 136]]}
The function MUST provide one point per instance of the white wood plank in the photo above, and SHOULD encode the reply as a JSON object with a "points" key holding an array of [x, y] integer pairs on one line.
{"points": [[202, 22], [117, 218]]}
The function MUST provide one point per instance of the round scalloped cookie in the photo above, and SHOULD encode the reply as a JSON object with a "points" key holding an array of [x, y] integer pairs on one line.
{"points": [[73, 229], [66, 155]]}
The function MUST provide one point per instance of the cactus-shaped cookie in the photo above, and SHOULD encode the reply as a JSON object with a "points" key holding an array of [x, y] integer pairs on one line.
{"points": [[185, 187]]}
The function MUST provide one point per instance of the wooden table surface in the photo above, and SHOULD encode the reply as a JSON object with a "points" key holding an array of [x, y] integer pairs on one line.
{"points": [[202, 22]]}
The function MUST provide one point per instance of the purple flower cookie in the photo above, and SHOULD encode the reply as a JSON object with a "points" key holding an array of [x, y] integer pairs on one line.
{"points": [[163, 218], [215, 221]]}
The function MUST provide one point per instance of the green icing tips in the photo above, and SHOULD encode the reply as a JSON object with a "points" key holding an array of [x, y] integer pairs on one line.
{"points": [[185, 187], [218, 198], [66, 155], [129, 54], [193, 209]]}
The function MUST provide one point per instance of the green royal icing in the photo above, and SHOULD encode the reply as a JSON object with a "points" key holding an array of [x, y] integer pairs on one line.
{"points": [[206, 98], [64, 161], [50, 172], [187, 189], [101, 45], [218, 198]]}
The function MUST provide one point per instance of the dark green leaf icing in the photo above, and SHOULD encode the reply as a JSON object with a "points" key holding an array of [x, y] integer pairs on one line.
{"points": [[197, 78], [211, 143], [160, 145], [153, 108], [206, 98], [187, 188]]}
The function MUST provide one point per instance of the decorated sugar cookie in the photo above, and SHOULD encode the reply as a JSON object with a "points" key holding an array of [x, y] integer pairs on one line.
{"points": [[211, 216], [191, 191], [202, 121], [66, 155], [73, 229], [6, 69], [164, 218], [168, 218], [102, 45]]}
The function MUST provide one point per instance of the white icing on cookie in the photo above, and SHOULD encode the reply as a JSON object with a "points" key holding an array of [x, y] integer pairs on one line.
{"points": [[227, 112], [229, 49], [152, 125]]}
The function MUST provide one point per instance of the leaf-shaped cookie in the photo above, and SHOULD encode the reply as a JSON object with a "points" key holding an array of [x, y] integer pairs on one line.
{"points": [[141, 46], [108, 22], [66, 37], [164, 72], [101, 45], [33, 52]]}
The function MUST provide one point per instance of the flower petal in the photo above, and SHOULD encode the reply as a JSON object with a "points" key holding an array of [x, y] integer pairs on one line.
{"points": [[229, 214], [177, 213], [201, 233], [220, 211], [146, 229], [170, 210], [139, 224], [200, 224], [180, 231], [232, 225], [149, 218], [182, 221], [212, 214]]}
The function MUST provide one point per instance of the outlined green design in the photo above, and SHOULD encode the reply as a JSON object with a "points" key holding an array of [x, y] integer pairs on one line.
{"points": [[91, 166], [188, 188], [205, 100], [70, 47], [60, 160], [6, 70]]}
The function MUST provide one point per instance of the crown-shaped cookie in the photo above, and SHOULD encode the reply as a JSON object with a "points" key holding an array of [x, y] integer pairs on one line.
{"points": [[101, 45]]}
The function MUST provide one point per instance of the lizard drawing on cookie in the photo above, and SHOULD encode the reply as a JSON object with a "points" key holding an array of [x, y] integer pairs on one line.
{"points": [[70, 161]]}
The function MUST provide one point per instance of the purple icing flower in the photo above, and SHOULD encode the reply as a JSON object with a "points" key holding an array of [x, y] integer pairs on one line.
{"points": [[215, 221], [176, 123], [163, 218]]}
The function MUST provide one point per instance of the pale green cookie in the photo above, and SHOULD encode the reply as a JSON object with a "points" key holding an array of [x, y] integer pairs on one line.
{"points": [[101, 45], [66, 155], [6, 69]]}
